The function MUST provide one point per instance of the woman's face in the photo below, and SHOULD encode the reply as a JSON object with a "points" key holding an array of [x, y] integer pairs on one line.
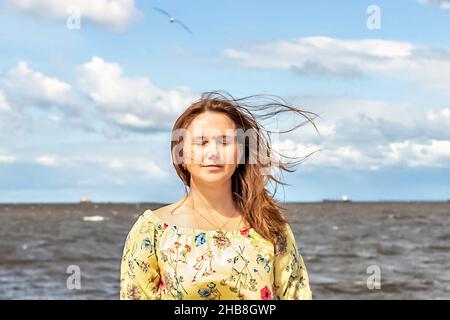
{"points": [[211, 148]]}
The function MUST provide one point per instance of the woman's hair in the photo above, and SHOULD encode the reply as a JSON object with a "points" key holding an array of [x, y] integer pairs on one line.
{"points": [[258, 206]]}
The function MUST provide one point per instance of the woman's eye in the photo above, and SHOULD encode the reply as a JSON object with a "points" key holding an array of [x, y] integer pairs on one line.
{"points": [[204, 142], [227, 141], [201, 143]]}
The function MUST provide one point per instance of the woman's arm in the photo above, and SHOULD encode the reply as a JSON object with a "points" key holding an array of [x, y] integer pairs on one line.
{"points": [[139, 272], [290, 274]]}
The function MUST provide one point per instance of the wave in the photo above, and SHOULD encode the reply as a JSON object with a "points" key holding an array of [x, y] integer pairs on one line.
{"points": [[93, 218]]}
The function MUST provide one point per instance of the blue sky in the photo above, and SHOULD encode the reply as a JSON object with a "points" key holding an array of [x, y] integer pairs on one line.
{"points": [[87, 112]]}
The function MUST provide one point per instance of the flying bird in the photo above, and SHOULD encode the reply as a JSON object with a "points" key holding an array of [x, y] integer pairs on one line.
{"points": [[172, 19]]}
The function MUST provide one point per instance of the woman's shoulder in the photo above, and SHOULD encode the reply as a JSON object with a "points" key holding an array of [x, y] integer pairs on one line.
{"points": [[162, 212], [158, 213], [173, 214], [145, 223], [163, 215]]}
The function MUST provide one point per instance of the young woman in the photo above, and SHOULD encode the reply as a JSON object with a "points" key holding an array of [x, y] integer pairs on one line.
{"points": [[227, 238]]}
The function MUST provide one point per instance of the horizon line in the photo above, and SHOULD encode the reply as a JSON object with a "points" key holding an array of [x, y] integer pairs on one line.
{"points": [[163, 203]]}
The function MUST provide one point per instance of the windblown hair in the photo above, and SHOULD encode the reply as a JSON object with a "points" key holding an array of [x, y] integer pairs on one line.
{"points": [[258, 206]]}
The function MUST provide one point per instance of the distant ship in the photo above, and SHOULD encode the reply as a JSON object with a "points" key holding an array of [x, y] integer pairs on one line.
{"points": [[85, 199], [344, 198]]}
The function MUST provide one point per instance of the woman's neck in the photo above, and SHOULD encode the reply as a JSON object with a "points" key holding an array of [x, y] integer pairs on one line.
{"points": [[212, 199]]}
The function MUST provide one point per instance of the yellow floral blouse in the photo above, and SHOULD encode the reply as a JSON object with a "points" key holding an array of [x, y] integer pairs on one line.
{"points": [[167, 262]]}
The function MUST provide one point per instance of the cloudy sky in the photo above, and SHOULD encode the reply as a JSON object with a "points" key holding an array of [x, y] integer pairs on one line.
{"points": [[86, 105]]}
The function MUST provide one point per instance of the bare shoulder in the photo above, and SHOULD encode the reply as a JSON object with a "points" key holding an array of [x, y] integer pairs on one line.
{"points": [[164, 210], [170, 211]]}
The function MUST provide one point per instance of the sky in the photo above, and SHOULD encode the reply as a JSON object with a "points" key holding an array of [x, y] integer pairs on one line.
{"points": [[89, 94]]}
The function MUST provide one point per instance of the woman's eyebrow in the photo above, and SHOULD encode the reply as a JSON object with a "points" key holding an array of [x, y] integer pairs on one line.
{"points": [[218, 136]]}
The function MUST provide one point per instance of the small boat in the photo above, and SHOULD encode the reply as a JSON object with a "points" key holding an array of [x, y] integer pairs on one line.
{"points": [[85, 199]]}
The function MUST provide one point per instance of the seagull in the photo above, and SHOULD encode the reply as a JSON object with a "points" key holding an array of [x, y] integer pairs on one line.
{"points": [[172, 19]]}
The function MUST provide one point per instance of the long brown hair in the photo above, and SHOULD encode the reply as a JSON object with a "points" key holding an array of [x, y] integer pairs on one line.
{"points": [[258, 206]]}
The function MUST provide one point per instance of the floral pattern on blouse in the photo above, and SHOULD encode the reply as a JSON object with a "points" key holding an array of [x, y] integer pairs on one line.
{"points": [[167, 262]]}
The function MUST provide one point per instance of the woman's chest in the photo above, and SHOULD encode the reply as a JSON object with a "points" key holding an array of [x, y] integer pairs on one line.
{"points": [[192, 264]]}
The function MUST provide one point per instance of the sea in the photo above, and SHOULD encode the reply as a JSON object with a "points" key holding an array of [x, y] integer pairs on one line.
{"points": [[352, 250]]}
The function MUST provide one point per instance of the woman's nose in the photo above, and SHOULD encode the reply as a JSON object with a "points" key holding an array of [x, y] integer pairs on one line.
{"points": [[212, 147], [212, 152]]}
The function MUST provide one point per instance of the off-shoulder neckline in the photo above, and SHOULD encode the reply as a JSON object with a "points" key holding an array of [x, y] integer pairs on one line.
{"points": [[195, 231]]}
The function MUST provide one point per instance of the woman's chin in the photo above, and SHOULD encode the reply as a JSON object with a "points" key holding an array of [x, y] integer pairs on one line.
{"points": [[212, 177]]}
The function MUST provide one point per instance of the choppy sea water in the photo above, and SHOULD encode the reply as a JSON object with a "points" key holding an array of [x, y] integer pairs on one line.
{"points": [[343, 244]]}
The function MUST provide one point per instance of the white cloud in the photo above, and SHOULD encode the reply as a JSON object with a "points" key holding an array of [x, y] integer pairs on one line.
{"points": [[101, 99], [364, 128], [7, 158], [134, 121], [319, 155], [128, 165], [443, 4], [291, 148], [123, 164], [369, 135], [361, 122], [409, 153], [4, 105], [46, 160], [325, 56], [435, 153], [23, 87], [441, 116], [112, 14], [54, 118], [133, 103]]}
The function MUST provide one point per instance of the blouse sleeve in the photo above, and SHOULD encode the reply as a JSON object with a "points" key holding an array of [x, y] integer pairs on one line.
{"points": [[139, 271], [291, 281]]}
